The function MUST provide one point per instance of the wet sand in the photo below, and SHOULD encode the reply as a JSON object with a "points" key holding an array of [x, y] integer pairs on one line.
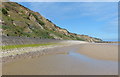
{"points": [[82, 59], [100, 51]]}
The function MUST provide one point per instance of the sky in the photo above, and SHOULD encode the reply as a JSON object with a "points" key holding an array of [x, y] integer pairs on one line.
{"points": [[96, 19], [64, 0]]}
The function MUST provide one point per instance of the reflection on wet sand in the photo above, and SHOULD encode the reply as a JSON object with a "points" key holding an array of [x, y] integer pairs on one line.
{"points": [[68, 61]]}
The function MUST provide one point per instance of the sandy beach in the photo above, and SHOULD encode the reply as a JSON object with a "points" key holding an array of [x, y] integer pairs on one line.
{"points": [[74, 58], [100, 51]]}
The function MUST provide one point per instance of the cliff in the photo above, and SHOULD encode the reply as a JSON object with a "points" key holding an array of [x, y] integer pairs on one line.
{"points": [[18, 20]]}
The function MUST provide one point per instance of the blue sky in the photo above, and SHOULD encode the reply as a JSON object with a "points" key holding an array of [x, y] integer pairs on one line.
{"points": [[97, 19]]}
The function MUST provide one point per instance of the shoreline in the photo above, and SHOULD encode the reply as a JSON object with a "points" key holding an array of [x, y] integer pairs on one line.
{"points": [[18, 53], [32, 52]]}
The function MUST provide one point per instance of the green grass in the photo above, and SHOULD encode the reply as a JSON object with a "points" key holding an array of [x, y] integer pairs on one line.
{"points": [[4, 11], [25, 45], [38, 20]]}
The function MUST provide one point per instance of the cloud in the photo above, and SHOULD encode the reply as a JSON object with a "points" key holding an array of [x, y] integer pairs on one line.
{"points": [[104, 15], [64, 0], [100, 12], [111, 26]]}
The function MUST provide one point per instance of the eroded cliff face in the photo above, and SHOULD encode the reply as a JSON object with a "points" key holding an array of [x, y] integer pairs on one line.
{"points": [[18, 20]]}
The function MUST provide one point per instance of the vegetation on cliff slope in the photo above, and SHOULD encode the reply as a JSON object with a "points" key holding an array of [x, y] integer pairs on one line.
{"points": [[20, 21]]}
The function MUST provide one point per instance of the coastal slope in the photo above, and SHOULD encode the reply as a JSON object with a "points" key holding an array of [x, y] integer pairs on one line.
{"points": [[18, 20]]}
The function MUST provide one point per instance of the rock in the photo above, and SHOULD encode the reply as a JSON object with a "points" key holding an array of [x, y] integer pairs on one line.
{"points": [[32, 18]]}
